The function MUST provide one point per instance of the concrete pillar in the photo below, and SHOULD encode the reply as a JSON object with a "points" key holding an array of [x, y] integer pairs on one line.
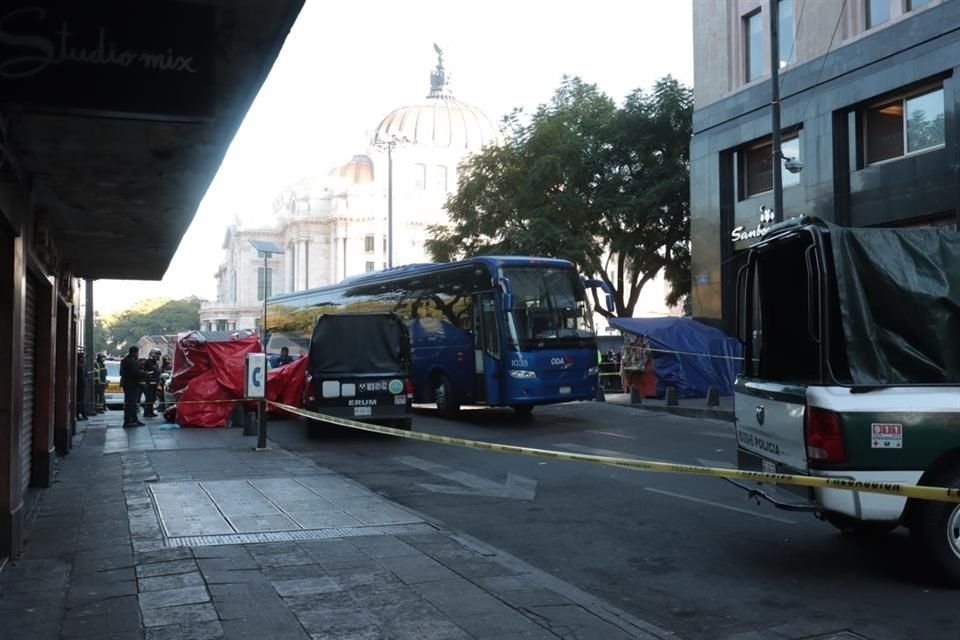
{"points": [[44, 403], [12, 291], [91, 409], [301, 264], [63, 416]]}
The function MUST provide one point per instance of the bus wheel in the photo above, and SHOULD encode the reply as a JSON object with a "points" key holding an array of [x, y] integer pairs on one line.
{"points": [[523, 409], [935, 529], [443, 394]]}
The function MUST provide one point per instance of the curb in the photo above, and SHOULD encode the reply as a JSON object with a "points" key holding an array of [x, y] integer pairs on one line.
{"points": [[687, 412]]}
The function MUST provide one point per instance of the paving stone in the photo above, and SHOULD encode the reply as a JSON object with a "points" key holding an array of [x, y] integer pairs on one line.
{"points": [[227, 564], [305, 586], [194, 631], [164, 555], [340, 623], [173, 597], [255, 629], [166, 568], [185, 614], [121, 607], [459, 597], [104, 624], [375, 595], [176, 581], [125, 574], [333, 551], [238, 601], [36, 584], [319, 601], [294, 572], [384, 547], [221, 551], [508, 622], [83, 594], [242, 576], [418, 568]]}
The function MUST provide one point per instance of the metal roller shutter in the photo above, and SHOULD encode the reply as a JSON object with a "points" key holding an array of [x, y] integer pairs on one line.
{"points": [[29, 350]]}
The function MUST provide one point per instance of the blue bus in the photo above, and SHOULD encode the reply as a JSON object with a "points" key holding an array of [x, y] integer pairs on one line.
{"points": [[494, 331]]}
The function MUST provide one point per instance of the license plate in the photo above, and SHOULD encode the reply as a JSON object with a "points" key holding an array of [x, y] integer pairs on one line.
{"points": [[564, 390], [769, 467], [113, 387], [362, 411]]}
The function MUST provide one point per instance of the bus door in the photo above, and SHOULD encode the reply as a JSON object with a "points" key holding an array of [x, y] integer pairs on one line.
{"points": [[486, 349]]}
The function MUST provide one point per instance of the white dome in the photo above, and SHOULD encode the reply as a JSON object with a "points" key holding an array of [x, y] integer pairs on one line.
{"points": [[440, 121]]}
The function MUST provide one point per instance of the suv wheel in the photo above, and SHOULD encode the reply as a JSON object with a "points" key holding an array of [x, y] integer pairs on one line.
{"points": [[935, 528]]}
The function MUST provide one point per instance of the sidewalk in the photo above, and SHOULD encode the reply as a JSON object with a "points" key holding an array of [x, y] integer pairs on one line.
{"points": [[689, 407], [190, 535]]}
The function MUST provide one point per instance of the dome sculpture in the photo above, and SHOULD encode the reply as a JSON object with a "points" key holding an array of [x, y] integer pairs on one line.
{"points": [[441, 120], [358, 171]]}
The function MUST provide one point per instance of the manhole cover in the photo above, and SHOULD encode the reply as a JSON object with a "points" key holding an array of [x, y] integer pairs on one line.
{"points": [[265, 509]]}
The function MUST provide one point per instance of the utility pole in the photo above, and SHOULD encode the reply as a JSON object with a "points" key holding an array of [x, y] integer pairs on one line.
{"points": [[777, 153]]}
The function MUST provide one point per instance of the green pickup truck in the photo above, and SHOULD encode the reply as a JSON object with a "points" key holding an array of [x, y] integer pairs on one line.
{"points": [[852, 370]]}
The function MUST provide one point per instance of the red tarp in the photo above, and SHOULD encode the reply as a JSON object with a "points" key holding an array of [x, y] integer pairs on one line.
{"points": [[207, 374], [285, 384]]}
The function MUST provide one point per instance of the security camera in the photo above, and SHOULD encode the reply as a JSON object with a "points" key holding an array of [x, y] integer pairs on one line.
{"points": [[792, 165]]}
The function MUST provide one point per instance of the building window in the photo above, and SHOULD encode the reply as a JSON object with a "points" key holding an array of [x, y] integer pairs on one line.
{"points": [[420, 177], [786, 35], [916, 4], [370, 267], [756, 163], [441, 178], [905, 125], [752, 46], [264, 283], [878, 12], [368, 244]]}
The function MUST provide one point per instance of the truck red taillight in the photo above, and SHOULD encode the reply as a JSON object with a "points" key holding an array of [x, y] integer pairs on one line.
{"points": [[824, 436], [409, 388]]}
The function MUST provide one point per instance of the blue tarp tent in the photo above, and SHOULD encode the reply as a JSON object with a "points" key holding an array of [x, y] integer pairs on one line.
{"points": [[688, 355]]}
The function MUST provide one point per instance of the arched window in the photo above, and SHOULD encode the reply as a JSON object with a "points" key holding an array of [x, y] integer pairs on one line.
{"points": [[420, 177], [440, 178]]}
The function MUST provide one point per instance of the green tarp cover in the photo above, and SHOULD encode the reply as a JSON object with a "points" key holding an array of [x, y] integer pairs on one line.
{"points": [[899, 293]]}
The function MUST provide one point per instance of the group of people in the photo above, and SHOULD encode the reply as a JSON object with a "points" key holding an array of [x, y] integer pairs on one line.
{"points": [[141, 376], [138, 377]]}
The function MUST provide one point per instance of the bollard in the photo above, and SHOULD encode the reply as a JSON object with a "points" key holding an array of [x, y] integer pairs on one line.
{"points": [[635, 396], [672, 400], [249, 423], [713, 397], [600, 397], [236, 416]]}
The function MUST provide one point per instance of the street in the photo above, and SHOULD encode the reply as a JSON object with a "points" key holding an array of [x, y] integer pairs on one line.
{"points": [[688, 554]]}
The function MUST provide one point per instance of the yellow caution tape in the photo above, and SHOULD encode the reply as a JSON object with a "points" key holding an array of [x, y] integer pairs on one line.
{"points": [[941, 494]]}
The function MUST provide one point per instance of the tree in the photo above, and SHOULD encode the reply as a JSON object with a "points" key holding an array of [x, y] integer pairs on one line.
{"points": [[606, 187], [114, 334]]}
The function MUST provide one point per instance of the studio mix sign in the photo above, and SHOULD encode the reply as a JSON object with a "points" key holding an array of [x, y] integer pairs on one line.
{"points": [[109, 57]]}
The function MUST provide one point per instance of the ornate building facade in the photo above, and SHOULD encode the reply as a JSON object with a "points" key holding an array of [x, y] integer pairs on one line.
{"points": [[336, 225]]}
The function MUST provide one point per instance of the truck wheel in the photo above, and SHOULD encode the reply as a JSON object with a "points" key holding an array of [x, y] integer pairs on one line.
{"points": [[443, 394], [315, 429], [523, 410], [935, 529], [850, 526]]}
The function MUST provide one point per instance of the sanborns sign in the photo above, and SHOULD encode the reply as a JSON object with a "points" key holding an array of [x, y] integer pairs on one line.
{"points": [[108, 56]]}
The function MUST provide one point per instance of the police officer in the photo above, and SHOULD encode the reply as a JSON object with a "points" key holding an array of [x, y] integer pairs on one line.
{"points": [[151, 378], [130, 381], [100, 383]]}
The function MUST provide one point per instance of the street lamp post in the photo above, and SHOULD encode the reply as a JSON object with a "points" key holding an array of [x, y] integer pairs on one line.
{"points": [[389, 144], [775, 107], [267, 249]]}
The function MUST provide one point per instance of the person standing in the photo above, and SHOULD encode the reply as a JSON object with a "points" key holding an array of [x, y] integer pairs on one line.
{"points": [[100, 383], [81, 387], [130, 381], [150, 369]]}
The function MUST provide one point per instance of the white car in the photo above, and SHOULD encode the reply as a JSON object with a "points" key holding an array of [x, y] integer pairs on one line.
{"points": [[113, 395]]}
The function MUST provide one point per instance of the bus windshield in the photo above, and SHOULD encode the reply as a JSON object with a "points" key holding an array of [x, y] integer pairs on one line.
{"points": [[549, 311]]}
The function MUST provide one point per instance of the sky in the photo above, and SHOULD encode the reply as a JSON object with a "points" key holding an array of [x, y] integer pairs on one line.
{"points": [[345, 65]]}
